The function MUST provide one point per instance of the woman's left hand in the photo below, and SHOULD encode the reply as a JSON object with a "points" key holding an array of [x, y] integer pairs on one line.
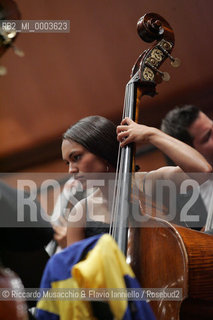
{"points": [[130, 131]]}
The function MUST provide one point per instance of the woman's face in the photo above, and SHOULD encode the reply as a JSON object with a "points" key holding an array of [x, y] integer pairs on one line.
{"points": [[80, 160]]}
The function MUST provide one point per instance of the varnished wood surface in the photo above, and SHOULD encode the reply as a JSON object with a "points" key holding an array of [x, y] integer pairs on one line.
{"points": [[159, 261], [199, 247], [164, 256]]}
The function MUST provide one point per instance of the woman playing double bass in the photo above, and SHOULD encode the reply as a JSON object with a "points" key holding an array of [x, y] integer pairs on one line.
{"points": [[90, 149], [90, 146]]}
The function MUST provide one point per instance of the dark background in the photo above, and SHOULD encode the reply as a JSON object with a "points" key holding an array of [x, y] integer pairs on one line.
{"points": [[64, 77]]}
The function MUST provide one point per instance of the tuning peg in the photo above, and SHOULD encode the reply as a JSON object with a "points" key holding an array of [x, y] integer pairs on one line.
{"points": [[3, 71], [176, 62], [164, 75]]}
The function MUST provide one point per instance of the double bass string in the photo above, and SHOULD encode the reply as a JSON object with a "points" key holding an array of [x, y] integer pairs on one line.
{"points": [[117, 186], [118, 217]]}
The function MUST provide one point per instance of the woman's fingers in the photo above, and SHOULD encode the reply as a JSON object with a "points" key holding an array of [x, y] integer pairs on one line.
{"points": [[125, 142], [126, 121], [124, 125], [122, 128], [124, 132], [122, 135]]}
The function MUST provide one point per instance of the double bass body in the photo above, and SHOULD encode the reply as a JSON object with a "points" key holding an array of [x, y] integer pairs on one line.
{"points": [[165, 256]]}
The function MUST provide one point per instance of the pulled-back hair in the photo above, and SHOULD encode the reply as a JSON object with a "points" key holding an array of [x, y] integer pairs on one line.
{"points": [[177, 122], [98, 135]]}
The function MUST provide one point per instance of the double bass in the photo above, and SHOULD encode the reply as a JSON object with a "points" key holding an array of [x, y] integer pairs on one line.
{"points": [[162, 255]]}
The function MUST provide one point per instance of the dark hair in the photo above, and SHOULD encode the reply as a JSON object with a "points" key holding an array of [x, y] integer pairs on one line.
{"points": [[177, 122], [98, 135]]}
